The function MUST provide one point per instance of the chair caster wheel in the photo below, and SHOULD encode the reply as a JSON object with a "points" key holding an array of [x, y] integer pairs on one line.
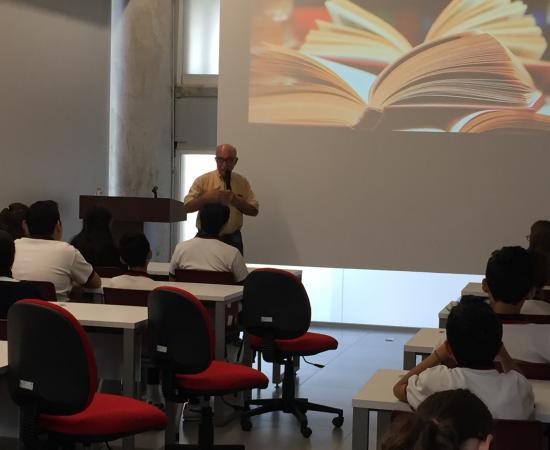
{"points": [[306, 431], [338, 421], [246, 424]]}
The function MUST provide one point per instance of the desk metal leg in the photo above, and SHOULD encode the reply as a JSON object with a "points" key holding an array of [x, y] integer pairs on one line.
{"points": [[383, 424], [131, 354], [360, 429], [222, 413], [409, 360]]}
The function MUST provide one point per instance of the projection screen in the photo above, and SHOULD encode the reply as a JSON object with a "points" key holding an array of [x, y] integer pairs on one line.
{"points": [[385, 134]]}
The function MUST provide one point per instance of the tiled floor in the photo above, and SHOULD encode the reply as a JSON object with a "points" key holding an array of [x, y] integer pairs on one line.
{"points": [[359, 354]]}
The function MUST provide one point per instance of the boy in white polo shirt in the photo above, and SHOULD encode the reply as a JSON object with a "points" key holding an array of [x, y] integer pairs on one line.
{"points": [[509, 282], [206, 251], [474, 338], [44, 257]]}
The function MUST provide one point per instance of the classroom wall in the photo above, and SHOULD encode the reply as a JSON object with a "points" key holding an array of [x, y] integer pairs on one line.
{"points": [[54, 108]]}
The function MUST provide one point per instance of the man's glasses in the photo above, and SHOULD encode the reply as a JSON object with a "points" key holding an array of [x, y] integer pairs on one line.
{"points": [[220, 160]]}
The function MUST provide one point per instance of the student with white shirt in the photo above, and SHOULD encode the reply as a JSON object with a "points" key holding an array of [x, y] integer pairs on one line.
{"points": [[474, 338], [135, 251], [44, 257], [452, 420], [509, 282], [11, 290], [206, 251]]}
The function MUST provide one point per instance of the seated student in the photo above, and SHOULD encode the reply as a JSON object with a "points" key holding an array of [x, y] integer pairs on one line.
{"points": [[205, 251], [11, 290], [453, 420], [509, 283], [12, 220], [474, 338], [44, 257], [95, 241], [135, 251]]}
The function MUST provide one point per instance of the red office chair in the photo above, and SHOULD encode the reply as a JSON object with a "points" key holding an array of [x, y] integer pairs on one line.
{"points": [[127, 297], [182, 345], [46, 288], [3, 329], [518, 434], [277, 314], [232, 328], [52, 377]]}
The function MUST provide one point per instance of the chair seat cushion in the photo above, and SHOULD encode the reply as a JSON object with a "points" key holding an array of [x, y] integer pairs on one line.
{"points": [[222, 376], [306, 344], [107, 415]]}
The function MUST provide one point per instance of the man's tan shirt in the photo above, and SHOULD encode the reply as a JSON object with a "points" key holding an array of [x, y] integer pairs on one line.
{"points": [[213, 181]]}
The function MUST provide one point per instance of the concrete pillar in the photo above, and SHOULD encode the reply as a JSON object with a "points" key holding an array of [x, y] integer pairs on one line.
{"points": [[142, 105]]}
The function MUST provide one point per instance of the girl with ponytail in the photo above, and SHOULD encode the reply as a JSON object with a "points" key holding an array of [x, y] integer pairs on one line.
{"points": [[447, 420]]}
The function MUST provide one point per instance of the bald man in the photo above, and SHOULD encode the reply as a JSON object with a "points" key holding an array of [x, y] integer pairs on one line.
{"points": [[228, 188]]}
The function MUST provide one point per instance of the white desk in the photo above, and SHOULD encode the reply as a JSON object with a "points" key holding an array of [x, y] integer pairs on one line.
{"points": [[377, 395], [422, 343]]}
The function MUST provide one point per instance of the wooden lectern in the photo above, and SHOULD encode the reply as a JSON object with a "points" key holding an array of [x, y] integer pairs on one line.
{"points": [[129, 213]]}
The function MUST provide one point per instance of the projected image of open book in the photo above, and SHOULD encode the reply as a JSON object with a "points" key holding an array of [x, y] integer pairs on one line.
{"points": [[352, 67], [432, 86]]}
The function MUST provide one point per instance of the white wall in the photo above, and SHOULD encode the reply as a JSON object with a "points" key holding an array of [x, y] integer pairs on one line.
{"points": [[54, 91]]}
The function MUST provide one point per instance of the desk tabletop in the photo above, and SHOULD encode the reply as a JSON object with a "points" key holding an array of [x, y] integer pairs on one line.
{"points": [[107, 316], [3, 357], [378, 394], [425, 340], [204, 292], [162, 268]]}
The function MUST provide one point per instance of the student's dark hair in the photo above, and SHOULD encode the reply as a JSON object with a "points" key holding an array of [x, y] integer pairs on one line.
{"points": [[475, 299], [134, 248], [42, 217], [444, 421], [11, 219], [213, 216], [510, 274], [7, 253], [474, 333]]}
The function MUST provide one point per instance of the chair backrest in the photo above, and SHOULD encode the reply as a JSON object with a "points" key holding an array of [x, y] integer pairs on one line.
{"points": [[128, 297], [51, 362], [275, 302], [518, 434], [181, 337], [204, 276], [46, 288], [532, 371], [3, 329], [108, 271]]}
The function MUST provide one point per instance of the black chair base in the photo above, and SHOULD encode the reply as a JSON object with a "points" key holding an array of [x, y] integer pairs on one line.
{"points": [[288, 403]]}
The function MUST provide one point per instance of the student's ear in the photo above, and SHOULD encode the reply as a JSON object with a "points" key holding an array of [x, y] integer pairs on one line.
{"points": [[25, 227], [486, 443], [485, 286], [58, 231], [149, 256]]}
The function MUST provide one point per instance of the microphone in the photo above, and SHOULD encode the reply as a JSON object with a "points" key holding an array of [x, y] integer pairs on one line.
{"points": [[155, 191], [227, 179]]}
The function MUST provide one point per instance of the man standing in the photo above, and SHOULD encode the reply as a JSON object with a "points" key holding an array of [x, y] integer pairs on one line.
{"points": [[228, 188]]}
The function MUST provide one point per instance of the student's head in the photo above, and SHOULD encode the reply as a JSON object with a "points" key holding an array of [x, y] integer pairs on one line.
{"points": [[43, 220], [539, 237], [135, 250], [510, 275], [447, 420], [474, 334], [97, 220], [7, 253], [213, 216]]}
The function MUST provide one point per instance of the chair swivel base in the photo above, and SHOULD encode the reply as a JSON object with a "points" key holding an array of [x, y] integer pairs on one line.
{"points": [[288, 403]]}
